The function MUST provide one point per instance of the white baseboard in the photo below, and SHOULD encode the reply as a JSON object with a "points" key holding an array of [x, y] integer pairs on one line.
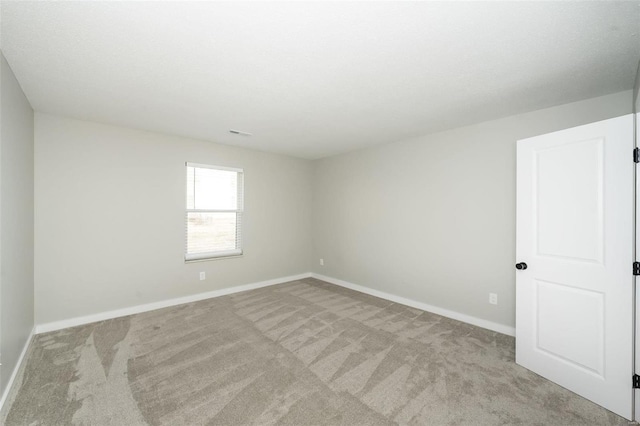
{"points": [[14, 373], [72, 322], [493, 326]]}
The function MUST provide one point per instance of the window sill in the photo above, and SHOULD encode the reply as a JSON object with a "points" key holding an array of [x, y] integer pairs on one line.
{"points": [[206, 257]]}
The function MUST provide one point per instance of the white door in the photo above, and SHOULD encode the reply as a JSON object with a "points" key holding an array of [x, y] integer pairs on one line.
{"points": [[575, 232]]}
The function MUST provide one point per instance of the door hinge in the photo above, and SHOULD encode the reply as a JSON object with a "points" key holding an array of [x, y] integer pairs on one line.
{"points": [[636, 268], [636, 381], [636, 155]]}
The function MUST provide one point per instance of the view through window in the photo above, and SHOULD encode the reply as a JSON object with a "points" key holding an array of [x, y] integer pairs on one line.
{"points": [[214, 211]]}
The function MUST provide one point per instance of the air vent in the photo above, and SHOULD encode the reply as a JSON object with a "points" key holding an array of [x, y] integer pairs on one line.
{"points": [[239, 132]]}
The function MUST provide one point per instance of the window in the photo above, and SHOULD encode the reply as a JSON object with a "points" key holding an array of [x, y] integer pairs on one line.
{"points": [[214, 212]]}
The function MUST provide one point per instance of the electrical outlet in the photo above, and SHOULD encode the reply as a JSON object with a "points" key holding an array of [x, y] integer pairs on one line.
{"points": [[321, 262], [202, 276], [493, 298]]}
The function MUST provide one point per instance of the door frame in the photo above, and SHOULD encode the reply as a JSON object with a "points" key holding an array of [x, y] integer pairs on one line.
{"points": [[635, 411]]}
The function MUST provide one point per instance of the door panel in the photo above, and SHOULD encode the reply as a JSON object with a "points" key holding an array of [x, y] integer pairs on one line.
{"points": [[581, 344], [574, 302], [569, 209]]}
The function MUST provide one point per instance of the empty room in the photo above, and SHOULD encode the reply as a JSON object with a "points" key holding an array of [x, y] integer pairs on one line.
{"points": [[319, 213]]}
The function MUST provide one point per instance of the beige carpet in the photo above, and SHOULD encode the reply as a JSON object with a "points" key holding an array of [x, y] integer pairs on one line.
{"points": [[300, 353]]}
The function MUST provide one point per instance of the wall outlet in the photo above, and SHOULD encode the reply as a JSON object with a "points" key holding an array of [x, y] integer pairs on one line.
{"points": [[202, 276], [493, 298], [321, 262]]}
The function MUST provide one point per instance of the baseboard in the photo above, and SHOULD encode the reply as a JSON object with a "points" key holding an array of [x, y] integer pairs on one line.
{"points": [[14, 373], [72, 322], [500, 328]]}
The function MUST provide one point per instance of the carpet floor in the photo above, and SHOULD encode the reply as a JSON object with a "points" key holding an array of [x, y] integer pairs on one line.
{"points": [[301, 353]]}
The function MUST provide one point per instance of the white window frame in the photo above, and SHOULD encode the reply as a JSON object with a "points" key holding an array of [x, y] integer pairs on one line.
{"points": [[238, 251]]}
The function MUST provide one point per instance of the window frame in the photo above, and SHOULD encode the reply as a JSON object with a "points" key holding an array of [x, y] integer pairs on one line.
{"points": [[239, 211]]}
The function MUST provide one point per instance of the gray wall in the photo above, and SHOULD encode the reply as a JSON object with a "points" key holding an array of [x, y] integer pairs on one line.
{"points": [[109, 222], [16, 221], [433, 219]]}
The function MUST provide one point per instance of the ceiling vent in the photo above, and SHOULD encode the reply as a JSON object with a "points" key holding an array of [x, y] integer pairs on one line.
{"points": [[241, 133]]}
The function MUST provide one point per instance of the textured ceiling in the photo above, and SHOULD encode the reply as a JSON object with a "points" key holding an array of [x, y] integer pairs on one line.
{"points": [[315, 79]]}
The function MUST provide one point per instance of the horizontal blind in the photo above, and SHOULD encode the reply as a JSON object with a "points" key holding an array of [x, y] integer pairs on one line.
{"points": [[214, 211]]}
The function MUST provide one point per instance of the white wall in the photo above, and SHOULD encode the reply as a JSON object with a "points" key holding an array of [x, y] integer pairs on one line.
{"points": [[16, 221], [433, 219], [109, 218]]}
